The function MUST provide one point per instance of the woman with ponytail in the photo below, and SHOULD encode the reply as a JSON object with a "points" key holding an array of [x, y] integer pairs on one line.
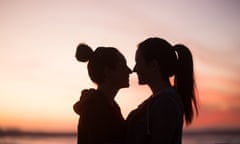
{"points": [[160, 118], [101, 121]]}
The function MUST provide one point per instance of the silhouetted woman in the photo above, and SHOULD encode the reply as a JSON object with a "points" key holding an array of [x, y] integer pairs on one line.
{"points": [[101, 121], [159, 119]]}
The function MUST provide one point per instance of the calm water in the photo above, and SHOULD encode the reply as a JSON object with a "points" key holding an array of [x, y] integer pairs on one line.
{"points": [[212, 139], [38, 140], [187, 139]]}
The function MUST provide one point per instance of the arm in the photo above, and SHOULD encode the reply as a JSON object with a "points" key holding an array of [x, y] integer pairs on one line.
{"points": [[85, 96], [76, 107]]}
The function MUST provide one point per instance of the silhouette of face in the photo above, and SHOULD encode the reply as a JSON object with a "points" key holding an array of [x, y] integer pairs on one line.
{"points": [[119, 76], [141, 68]]}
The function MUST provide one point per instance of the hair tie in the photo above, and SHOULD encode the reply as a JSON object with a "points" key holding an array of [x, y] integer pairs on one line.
{"points": [[176, 53]]}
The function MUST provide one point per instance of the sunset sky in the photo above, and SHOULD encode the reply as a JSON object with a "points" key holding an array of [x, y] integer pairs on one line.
{"points": [[40, 79]]}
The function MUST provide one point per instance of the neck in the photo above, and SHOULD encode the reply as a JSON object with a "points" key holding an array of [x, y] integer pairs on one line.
{"points": [[158, 85], [108, 91]]}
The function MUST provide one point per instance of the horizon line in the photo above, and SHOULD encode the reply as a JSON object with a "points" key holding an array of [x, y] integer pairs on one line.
{"points": [[22, 133]]}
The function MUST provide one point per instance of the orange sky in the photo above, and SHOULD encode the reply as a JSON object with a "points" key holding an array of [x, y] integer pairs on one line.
{"points": [[41, 80]]}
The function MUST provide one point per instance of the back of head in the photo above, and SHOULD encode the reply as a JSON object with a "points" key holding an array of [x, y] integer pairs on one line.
{"points": [[98, 60], [162, 51]]}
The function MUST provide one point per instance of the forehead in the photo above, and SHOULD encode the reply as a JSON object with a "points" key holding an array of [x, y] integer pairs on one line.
{"points": [[138, 55]]}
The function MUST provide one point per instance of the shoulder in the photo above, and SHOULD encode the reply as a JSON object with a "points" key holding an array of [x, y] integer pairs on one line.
{"points": [[92, 102], [95, 102], [166, 101], [140, 110], [167, 95]]}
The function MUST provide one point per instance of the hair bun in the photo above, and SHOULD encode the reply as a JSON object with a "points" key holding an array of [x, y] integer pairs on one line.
{"points": [[83, 53]]}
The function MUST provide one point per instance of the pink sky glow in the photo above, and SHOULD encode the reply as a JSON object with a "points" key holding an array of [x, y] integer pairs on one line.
{"points": [[41, 80]]}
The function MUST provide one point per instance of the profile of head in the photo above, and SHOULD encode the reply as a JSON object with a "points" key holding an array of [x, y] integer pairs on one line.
{"points": [[160, 51], [158, 54], [105, 64]]}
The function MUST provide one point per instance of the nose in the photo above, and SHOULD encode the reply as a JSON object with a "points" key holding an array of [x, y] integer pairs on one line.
{"points": [[129, 70], [134, 68]]}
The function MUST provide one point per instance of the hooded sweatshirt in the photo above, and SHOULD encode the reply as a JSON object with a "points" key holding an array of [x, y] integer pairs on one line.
{"points": [[100, 122], [158, 120]]}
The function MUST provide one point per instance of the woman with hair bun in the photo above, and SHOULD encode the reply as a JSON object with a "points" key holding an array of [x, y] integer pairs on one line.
{"points": [[101, 121], [159, 119]]}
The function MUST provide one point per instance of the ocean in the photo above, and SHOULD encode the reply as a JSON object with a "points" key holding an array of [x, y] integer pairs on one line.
{"points": [[188, 138], [211, 138]]}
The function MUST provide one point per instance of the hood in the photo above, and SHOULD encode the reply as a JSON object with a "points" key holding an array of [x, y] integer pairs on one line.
{"points": [[87, 95]]}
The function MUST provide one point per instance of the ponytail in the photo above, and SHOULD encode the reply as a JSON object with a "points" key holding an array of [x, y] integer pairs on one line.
{"points": [[185, 83]]}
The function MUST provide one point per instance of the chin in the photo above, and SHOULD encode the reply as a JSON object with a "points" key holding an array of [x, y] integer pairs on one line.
{"points": [[125, 85], [142, 83]]}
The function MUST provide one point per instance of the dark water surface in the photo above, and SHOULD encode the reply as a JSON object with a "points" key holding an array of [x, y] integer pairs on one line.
{"points": [[188, 138]]}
